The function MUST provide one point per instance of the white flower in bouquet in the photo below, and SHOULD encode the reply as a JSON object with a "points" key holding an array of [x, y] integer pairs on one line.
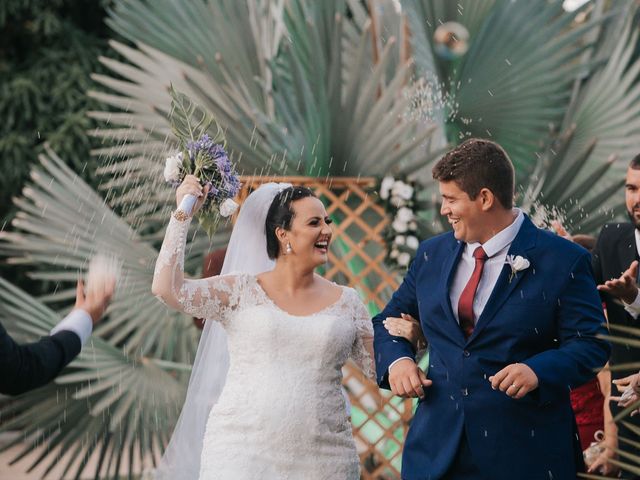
{"points": [[394, 253], [402, 190], [403, 259], [412, 242], [228, 208], [399, 240], [399, 226], [413, 225], [385, 187], [172, 168], [405, 215]]}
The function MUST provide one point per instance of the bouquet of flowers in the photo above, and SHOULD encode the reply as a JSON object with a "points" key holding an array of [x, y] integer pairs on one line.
{"points": [[205, 157]]}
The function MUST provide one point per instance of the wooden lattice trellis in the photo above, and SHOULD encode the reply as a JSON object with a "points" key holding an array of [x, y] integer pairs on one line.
{"points": [[356, 259]]}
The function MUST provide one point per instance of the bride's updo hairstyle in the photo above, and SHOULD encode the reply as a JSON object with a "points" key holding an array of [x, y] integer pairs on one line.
{"points": [[281, 214]]}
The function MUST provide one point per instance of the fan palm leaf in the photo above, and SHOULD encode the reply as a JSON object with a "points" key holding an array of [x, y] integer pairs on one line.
{"points": [[61, 224], [299, 87], [307, 95], [579, 174], [106, 404], [338, 117], [606, 105], [320, 117], [425, 16], [516, 78]]}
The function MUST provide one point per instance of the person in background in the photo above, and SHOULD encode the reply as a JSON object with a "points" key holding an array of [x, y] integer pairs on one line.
{"points": [[590, 402], [615, 266]]}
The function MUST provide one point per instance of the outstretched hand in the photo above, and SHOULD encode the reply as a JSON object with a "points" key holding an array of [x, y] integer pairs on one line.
{"points": [[629, 387], [516, 380], [96, 300], [407, 380], [625, 287]]}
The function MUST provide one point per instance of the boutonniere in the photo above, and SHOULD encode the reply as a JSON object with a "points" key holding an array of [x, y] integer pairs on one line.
{"points": [[517, 264]]}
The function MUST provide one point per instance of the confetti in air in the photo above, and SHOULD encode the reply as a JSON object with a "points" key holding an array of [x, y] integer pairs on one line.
{"points": [[103, 269], [430, 101]]}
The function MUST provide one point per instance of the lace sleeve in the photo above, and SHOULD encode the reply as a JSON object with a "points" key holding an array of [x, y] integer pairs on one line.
{"points": [[362, 349], [209, 298]]}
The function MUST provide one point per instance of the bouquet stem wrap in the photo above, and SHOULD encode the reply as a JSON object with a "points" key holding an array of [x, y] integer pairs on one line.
{"points": [[187, 203]]}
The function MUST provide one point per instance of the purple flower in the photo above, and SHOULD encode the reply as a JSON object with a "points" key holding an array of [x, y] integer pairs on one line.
{"points": [[213, 191], [218, 152], [206, 145], [224, 165], [232, 185], [216, 170]]}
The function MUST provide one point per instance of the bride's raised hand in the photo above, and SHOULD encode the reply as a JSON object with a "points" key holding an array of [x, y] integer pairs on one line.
{"points": [[191, 186]]}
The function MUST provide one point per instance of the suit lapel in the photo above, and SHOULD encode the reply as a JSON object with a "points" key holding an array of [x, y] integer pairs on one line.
{"points": [[448, 272], [525, 240]]}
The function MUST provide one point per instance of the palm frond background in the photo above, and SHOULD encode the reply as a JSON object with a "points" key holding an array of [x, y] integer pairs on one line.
{"points": [[123, 393], [116, 406], [330, 88]]}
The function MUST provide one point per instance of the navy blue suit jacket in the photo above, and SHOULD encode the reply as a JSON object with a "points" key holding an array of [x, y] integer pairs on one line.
{"points": [[547, 317]]}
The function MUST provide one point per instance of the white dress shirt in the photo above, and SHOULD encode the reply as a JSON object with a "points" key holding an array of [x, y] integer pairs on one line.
{"points": [[496, 249], [633, 309], [78, 322]]}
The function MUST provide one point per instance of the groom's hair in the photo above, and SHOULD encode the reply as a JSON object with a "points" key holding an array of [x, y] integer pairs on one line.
{"points": [[281, 214], [476, 164]]}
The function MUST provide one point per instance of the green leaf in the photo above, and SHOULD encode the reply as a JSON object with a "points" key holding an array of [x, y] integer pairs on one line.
{"points": [[189, 121]]}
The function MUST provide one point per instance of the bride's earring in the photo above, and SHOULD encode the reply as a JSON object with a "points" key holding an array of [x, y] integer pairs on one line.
{"points": [[288, 250]]}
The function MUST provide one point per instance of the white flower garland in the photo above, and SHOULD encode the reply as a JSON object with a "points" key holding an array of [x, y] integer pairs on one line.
{"points": [[401, 237]]}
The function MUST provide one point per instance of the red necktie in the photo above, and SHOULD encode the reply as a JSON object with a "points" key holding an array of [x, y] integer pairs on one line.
{"points": [[465, 304]]}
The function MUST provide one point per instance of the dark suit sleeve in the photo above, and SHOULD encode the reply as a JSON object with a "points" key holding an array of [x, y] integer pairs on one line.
{"points": [[580, 320], [25, 367], [389, 348]]}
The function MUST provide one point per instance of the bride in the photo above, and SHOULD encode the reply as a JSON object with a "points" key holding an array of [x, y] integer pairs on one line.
{"points": [[264, 398]]}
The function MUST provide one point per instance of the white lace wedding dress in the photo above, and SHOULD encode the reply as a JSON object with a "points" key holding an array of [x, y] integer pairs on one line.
{"points": [[281, 414]]}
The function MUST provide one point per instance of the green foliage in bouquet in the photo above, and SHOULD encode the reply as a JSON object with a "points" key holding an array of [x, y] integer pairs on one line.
{"points": [[202, 156], [190, 121]]}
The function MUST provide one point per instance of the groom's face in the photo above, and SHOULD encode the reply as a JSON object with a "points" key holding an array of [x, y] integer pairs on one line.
{"points": [[632, 195], [464, 215]]}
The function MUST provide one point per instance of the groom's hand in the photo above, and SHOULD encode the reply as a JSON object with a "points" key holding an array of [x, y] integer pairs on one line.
{"points": [[407, 380], [516, 380]]}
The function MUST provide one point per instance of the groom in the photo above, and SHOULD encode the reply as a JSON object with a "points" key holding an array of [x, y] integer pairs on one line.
{"points": [[511, 314]]}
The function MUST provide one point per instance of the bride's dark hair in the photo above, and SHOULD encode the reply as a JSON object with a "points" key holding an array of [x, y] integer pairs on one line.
{"points": [[281, 214]]}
